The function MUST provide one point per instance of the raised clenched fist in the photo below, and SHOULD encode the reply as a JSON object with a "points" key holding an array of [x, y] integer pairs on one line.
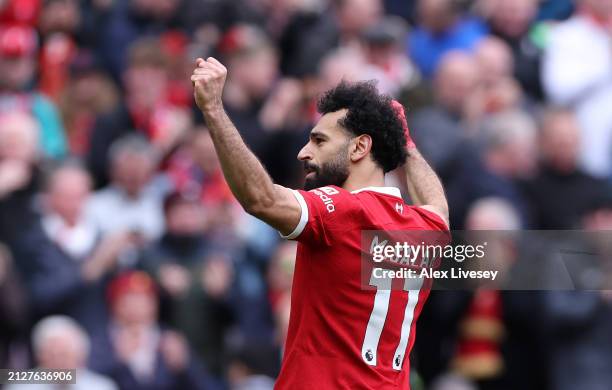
{"points": [[208, 80]]}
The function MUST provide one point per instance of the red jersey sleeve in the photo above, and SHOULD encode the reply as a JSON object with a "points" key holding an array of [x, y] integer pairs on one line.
{"points": [[325, 211], [429, 220]]}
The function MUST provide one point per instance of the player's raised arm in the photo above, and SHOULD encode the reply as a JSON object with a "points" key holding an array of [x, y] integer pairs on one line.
{"points": [[245, 175], [424, 186]]}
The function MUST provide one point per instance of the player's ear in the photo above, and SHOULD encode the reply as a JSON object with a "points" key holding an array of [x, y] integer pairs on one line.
{"points": [[360, 147]]}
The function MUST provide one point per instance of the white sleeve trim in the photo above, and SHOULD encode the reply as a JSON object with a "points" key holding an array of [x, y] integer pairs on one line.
{"points": [[303, 217]]}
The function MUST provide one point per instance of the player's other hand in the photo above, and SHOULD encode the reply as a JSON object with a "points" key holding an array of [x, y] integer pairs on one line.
{"points": [[399, 110], [208, 80]]}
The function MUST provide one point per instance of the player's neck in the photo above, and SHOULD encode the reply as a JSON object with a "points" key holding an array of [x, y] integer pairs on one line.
{"points": [[359, 180]]}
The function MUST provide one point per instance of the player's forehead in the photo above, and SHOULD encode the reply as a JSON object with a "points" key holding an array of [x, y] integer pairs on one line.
{"points": [[328, 124]]}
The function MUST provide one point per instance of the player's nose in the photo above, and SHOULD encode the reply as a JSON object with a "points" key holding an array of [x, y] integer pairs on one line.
{"points": [[305, 154]]}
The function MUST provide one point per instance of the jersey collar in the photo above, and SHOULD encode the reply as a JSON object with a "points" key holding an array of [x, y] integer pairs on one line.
{"points": [[393, 191]]}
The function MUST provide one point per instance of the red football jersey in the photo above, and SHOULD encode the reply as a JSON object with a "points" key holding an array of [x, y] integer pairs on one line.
{"points": [[342, 336]]}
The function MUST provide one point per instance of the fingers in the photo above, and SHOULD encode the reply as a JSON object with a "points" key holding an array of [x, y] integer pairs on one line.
{"points": [[214, 61], [399, 111], [203, 71], [203, 76], [196, 78], [207, 70], [210, 61]]}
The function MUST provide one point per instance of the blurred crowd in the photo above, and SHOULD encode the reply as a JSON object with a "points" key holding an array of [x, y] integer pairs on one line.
{"points": [[123, 253]]}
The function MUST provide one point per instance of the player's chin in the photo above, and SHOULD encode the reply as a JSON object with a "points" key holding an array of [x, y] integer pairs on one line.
{"points": [[311, 182]]}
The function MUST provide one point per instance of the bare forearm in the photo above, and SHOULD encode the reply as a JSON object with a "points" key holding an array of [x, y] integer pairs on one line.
{"points": [[245, 175], [424, 186]]}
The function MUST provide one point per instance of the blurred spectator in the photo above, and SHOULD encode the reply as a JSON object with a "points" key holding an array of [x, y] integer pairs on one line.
{"points": [[13, 310], [577, 321], [194, 169], [136, 352], [498, 90], [492, 214], [500, 340], [60, 343], [88, 94], [496, 338], [314, 31], [63, 16], [19, 174], [494, 59], [442, 28], [284, 109], [206, 288], [462, 332], [146, 108], [19, 138], [175, 261], [478, 354], [176, 45], [512, 21], [561, 192], [507, 157], [65, 260], [68, 190], [355, 16], [385, 57], [439, 129], [18, 51], [287, 115], [182, 245], [509, 140], [122, 23], [252, 65], [58, 25], [133, 198], [309, 35], [340, 64], [576, 73]]}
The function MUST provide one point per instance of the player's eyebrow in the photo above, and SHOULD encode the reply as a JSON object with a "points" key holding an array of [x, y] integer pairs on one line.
{"points": [[318, 134]]}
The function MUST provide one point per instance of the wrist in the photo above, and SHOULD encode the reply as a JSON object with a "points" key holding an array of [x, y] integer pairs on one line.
{"points": [[212, 110]]}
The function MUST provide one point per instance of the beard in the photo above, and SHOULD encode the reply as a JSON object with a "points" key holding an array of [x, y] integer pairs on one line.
{"points": [[331, 173]]}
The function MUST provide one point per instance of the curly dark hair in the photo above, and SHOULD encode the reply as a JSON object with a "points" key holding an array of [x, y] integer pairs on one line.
{"points": [[371, 113]]}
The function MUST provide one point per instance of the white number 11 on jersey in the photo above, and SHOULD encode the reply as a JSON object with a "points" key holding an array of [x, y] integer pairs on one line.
{"points": [[379, 315]]}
